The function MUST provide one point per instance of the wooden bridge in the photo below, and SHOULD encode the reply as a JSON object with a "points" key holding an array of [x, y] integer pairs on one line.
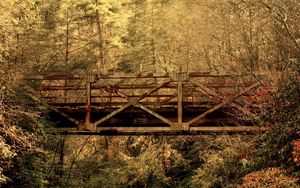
{"points": [[179, 103]]}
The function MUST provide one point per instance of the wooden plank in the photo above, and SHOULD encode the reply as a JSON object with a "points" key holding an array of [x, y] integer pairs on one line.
{"points": [[128, 96], [208, 74], [122, 103], [104, 77], [60, 76], [129, 87], [108, 96], [47, 87], [57, 76]]}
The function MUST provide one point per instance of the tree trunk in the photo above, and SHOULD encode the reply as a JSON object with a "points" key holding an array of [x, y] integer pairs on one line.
{"points": [[67, 39], [100, 36]]}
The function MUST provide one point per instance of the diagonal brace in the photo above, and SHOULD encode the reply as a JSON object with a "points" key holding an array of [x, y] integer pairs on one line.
{"points": [[152, 90], [111, 114], [208, 92], [73, 120], [154, 113], [168, 99]]}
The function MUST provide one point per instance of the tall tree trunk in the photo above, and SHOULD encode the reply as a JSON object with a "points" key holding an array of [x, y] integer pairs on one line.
{"points": [[100, 36], [67, 39], [67, 52], [153, 49], [187, 49]]}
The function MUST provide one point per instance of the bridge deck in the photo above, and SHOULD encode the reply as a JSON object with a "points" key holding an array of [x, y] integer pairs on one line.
{"points": [[231, 130]]}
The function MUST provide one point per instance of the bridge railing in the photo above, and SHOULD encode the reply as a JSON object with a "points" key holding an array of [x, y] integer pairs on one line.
{"points": [[148, 92]]}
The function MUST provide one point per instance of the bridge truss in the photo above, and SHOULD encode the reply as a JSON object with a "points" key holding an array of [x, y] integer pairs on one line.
{"points": [[146, 104]]}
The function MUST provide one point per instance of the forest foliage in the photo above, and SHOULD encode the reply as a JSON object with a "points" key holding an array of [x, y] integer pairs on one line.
{"points": [[142, 36]]}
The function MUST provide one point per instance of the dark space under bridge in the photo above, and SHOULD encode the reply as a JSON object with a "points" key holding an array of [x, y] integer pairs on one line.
{"points": [[177, 103]]}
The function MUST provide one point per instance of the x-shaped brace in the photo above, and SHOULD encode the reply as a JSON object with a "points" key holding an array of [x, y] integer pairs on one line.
{"points": [[135, 102], [222, 102]]}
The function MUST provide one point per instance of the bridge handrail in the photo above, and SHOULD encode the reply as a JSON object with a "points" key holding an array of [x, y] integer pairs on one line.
{"points": [[64, 76]]}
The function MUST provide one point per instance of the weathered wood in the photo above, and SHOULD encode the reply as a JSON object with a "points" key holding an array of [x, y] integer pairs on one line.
{"points": [[119, 95], [122, 94], [208, 92], [168, 99], [179, 105], [153, 90], [111, 95], [60, 88], [226, 101], [62, 76], [116, 104], [111, 114], [211, 94], [154, 113], [213, 130], [68, 117], [88, 104]]}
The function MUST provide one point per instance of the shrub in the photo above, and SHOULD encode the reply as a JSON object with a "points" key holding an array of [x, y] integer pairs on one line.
{"points": [[268, 177]]}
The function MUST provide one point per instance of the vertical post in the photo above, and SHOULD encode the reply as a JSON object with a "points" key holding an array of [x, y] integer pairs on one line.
{"points": [[65, 94], [88, 104], [179, 105]]}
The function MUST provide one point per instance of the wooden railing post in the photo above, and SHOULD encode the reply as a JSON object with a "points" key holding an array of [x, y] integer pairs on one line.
{"points": [[179, 104], [88, 124]]}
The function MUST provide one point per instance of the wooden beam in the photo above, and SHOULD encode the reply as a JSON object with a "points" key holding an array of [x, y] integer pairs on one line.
{"points": [[122, 94], [115, 90], [88, 104], [153, 90], [73, 120], [168, 99], [111, 114], [207, 130], [154, 114], [179, 104], [206, 91]]}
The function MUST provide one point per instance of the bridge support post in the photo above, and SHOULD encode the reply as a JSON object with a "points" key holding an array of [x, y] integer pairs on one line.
{"points": [[179, 105], [88, 124]]}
